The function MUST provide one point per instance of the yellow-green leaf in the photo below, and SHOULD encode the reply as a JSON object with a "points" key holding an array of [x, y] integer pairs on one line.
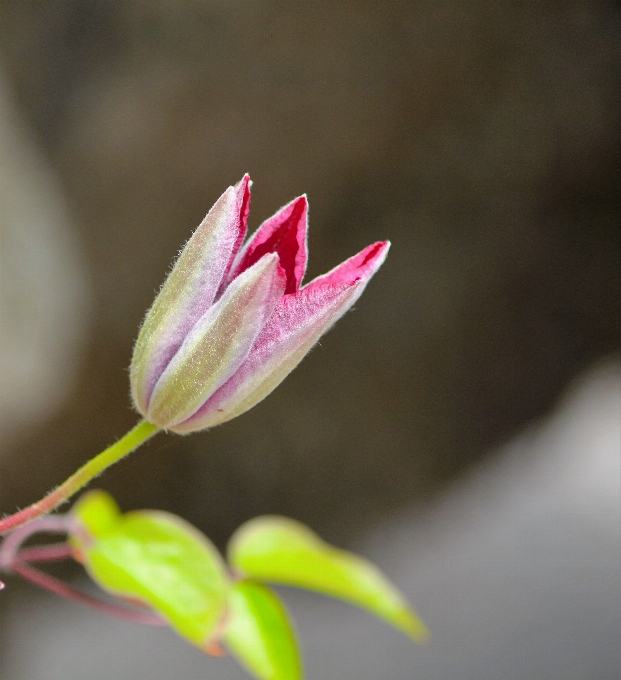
{"points": [[97, 512], [281, 550], [259, 633], [156, 558]]}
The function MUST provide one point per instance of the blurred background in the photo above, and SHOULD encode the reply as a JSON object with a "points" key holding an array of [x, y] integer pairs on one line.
{"points": [[484, 140]]}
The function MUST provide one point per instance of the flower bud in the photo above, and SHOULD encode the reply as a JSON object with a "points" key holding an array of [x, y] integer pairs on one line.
{"points": [[231, 322]]}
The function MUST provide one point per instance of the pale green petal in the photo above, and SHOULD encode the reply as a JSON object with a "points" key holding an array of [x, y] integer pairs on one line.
{"points": [[217, 345], [187, 293]]}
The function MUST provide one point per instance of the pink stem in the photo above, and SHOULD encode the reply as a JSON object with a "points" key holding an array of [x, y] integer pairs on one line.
{"points": [[45, 553], [32, 512], [12, 543], [65, 590]]}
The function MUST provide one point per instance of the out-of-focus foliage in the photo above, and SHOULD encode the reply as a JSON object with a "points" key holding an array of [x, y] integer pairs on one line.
{"points": [[156, 558], [281, 550], [260, 634], [160, 560]]}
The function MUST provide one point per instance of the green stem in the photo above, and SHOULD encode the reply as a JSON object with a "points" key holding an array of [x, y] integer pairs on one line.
{"points": [[131, 441]]}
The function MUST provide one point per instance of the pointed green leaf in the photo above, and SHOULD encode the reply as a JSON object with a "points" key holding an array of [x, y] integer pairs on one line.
{"points": [[281, 550], [156, 558], [259, 633]]}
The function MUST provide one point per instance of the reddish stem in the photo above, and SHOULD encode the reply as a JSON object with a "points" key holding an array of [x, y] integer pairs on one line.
{"points": [[12, 543], [65, 590], [45, 553]]}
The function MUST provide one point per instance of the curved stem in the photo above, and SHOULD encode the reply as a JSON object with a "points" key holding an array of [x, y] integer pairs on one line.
{"points": [[45, 553], [131, 441], [11, 544], [65, 590]]}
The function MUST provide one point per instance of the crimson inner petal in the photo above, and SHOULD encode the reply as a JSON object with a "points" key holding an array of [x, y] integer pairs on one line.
{"points": [[286, 239]]}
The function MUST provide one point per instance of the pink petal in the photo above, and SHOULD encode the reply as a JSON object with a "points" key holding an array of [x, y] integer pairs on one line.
{"points": [[296, 324], [361, 266], [298, 321], [285, 234]]}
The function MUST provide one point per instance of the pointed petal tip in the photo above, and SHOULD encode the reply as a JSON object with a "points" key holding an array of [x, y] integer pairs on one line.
{"points": [[357, 270], [244, 181], [375, 254], [242, 194], [369, 260], [377, 248], [228, 198], [224, 210], [242, 202], [285, 213], [227, 201]]}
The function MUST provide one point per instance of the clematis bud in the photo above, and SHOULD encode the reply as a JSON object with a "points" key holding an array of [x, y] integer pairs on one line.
{"points": [[230, 322]]}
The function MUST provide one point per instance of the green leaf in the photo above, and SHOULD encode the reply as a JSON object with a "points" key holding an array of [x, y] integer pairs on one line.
{"points": [[281, 550], [259, 633], [97, 512], [156, 558]]}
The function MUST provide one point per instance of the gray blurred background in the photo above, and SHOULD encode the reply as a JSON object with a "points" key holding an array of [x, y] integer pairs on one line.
{"points": [[483, 138]]}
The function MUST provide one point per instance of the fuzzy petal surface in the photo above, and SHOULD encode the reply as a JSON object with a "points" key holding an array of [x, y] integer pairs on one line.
{"points": [[186, 295], [218, 344], [298, 321]]}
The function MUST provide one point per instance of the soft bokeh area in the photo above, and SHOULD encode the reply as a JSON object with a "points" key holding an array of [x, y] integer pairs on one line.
{"points": [[460, 426]]}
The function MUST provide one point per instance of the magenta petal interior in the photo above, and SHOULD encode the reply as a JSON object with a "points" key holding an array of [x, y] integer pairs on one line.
{"points": [[285, 234]]}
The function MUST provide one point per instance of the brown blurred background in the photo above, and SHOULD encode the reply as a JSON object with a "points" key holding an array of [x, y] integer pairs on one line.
{"points": [[482, 138]]}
